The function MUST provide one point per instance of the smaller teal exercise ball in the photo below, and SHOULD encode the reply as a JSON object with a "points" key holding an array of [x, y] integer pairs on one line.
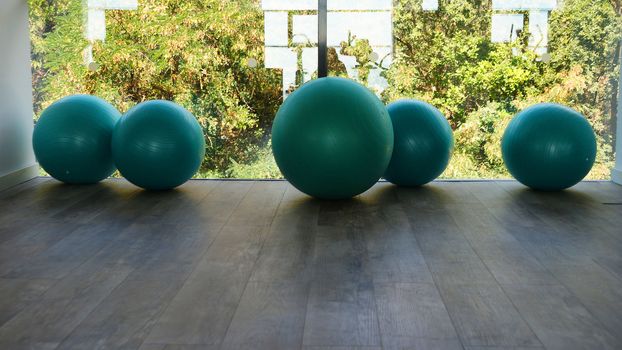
{"points": [[158, 145], [71, 139], [332, 138], [549, 147], [424, 143]]}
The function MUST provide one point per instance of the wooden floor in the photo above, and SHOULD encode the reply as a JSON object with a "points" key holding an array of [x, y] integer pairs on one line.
{"points": [[258, 265]]}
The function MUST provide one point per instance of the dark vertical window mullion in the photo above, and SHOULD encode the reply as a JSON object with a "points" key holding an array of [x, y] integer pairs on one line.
{"points": [[322, 68]]}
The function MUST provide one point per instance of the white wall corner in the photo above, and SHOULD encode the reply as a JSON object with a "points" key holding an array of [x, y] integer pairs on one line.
{"points": [[616, 176], [17, 177], [17, 159]]}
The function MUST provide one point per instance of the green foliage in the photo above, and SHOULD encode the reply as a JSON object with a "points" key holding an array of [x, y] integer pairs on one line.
{"points": [[44, 15], [446, 58], [263, 168], [194, 52], [361, 50]]}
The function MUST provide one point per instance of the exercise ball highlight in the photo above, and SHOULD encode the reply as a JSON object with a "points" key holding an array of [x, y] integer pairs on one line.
{"points": [[71, 139], [423, 146], [549, 147], [332, 138], [158, 145]]}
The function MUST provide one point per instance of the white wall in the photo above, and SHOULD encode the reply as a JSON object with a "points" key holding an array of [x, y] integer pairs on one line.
{"points": [[17, 161]]}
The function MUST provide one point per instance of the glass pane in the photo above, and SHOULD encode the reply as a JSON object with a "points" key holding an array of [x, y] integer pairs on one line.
{"points": [[360, 40], [480, 62], [291, 40], [229, 62]]}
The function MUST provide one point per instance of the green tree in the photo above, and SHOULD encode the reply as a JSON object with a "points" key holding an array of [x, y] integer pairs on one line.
{"points": [[193, 52], [447, 58]]}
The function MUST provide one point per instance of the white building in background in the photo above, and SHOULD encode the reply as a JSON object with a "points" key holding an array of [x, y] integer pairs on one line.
{"points": [[95, 22], [372, 20], [364, 19]]}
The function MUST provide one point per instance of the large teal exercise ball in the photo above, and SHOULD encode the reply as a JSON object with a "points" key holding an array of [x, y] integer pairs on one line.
{"points": [[332, 138], [549, 147], [424, 143], [71, 140], [158, 145]]}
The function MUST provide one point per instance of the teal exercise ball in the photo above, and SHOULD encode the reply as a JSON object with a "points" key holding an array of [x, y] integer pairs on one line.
{"points": [[424, 143], [332, 138], [158, 145], [549, 147], [71, 139]]}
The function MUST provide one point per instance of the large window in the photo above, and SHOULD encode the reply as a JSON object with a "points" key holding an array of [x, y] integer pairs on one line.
{"points": [[232, 62], [228, 62], [480, 62]]}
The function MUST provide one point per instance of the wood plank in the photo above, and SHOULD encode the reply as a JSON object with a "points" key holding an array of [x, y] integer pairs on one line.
{"points": [[155, 246], [49, 192], [559, 319], [217, 207], [500, 251], [71, 250], [341, 314], [421, 343], [270, 316], [24, 194], [31, 240], [45, 324], [342, 348], [271, 313], [259, 207], [612, 264], [510, 263], [124, 318], [603, 191], [148, 254], [168, 253], [177, 347], [17, 294], [436, 232], [393, 251], [411, 313], [228, 264], [598, 290], [341, 310], [175, 254], [111, 194], [447, 252], [178, 205], [20, 191], [295, 219], [38, 236], [64, 256], [484, 316], [582, 218], [540, 239], [595, 287], [201, 312], [500, 348], [48, 198]]}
